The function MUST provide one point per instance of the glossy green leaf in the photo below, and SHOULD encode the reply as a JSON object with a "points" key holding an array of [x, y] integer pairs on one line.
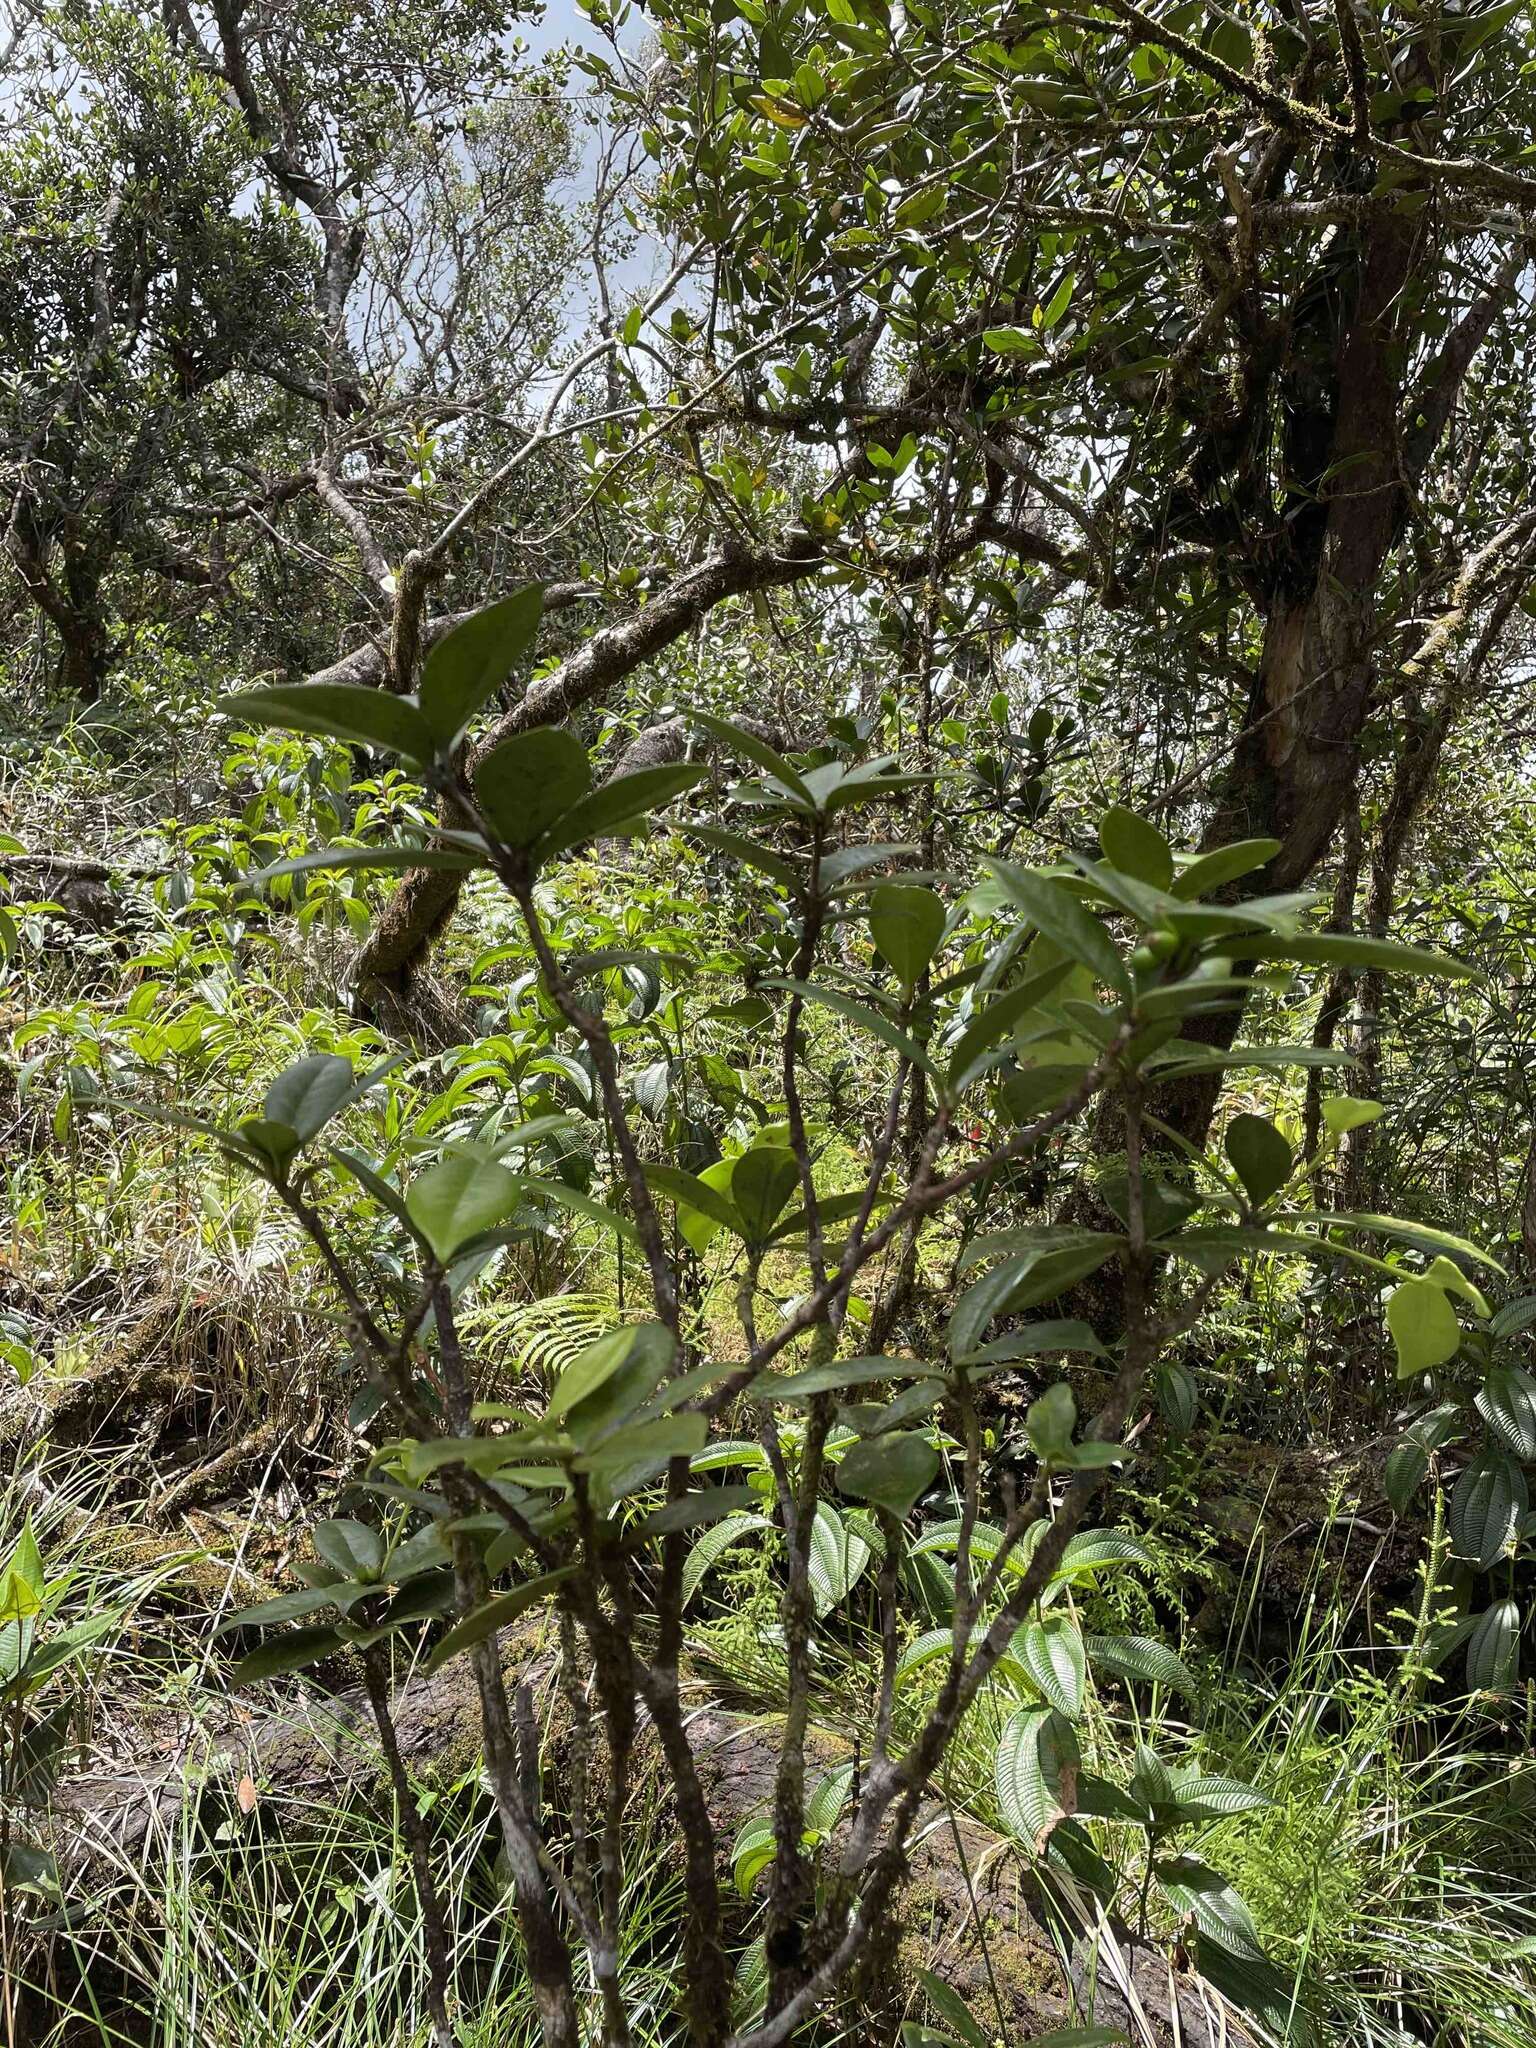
{"points": [[1224, 864], [496, 1613], [622, 801], [1343, 1113], [1053, 910], [308, 1094], [750, 748], [762, 1181], [294, 1649]]}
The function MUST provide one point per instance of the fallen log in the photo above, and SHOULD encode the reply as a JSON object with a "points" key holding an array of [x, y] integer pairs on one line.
{"points": [[973, 1908]]}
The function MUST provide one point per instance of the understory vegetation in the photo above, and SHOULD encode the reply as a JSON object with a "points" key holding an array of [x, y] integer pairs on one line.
{"points": [[766, 963]]}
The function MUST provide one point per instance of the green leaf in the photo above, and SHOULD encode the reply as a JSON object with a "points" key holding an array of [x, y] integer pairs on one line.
{"points": [[1486, 1506], [712, 1546], [1407, 1463], [1345, 949], [495, 1614], [525, 785], [1078, 2037], [749, 853], [1136, 847], [1260, 1157], [1411, 1233], [838, 1557], [891, 1472], [1493, 1649], [1052, 1653], [611, 1378], [762, 1181], [1058, 1333], [1035, 1770], [953, 2010], [907, 924], [1051, 1421], [1202, 1798], [293, 1650], [834, 1377], [468, 665], [1203, 1895], [400, 858], [621, 801], [1055, 912], [459, 1198], [1423, 1326], [341, 711], [758, 752], [690, 1192], [1343, 1113], [351, 1548], [308, 1094], [1507, 1403], [1024, 1281], [286, 1607], [1144, 1658], [1225, 864], [999, 1019]]}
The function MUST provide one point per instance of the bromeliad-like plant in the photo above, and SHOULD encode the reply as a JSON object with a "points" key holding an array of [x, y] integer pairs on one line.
{"points": [[1000, 1016]]}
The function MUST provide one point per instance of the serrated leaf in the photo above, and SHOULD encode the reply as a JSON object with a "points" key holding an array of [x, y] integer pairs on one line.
{"points": [[713, 1545], [1203, 1895], [1052, 1654], [1486, 1506], [1407, 1463], [1493, 1648], [1507, 1403], [469, 665], [1035, 1770], [837, 1560], [1143, 1658]]}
